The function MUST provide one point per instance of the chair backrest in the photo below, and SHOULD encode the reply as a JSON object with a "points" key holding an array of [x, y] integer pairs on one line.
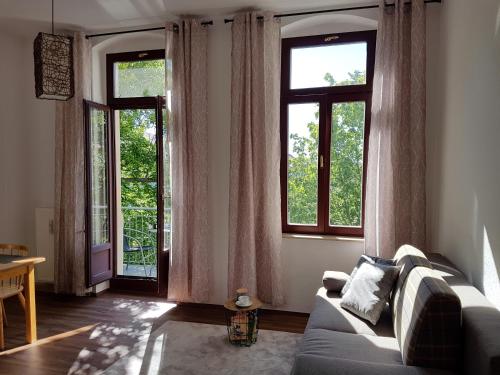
{"points": [[14, 250]]}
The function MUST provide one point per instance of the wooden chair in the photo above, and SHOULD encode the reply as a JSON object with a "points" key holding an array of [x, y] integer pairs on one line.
{"points": [[14, 286]]}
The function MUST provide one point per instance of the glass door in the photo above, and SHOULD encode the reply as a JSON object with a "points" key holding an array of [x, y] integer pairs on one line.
{"points": [[142, 192], [135, 90], [137, 193], [99, 252], [165, 196]]}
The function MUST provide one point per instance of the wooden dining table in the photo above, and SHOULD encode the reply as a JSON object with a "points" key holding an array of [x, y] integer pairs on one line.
{"points": [[14, 266]]}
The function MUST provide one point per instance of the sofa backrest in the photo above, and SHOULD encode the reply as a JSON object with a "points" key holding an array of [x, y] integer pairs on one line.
{"points": [[426, 314], [480, 321], [407, 257]]}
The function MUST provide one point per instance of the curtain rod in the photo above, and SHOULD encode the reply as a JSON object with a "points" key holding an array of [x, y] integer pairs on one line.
{"points": [[206, 23], [229, 20]]}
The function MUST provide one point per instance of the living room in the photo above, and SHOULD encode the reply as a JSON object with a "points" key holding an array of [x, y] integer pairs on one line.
{"points": [[172, 167]]}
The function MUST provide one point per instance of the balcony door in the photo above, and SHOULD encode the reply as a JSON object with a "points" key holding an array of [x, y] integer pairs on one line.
{"points": [[142, 237], [100, 254], [135, 93], [128, 176]]}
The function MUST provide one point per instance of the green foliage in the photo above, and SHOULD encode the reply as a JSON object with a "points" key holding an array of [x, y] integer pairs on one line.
{"points": [[138, 157], [346, 167], [141, 78], [303, 175]]}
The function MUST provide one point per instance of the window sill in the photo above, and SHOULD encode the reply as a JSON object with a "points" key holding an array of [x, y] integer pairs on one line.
{"points": [[322, 237]]}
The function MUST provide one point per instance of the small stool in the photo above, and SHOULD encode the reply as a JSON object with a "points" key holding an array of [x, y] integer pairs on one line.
{"points": [[242, 322]]}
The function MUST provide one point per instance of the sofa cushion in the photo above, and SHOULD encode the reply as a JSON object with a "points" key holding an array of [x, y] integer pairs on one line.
{"points": [[370, 288], [408, 257], [358, 347], [480, 321], [427, 320], [328, 314], [306, 364], [334, 281]]}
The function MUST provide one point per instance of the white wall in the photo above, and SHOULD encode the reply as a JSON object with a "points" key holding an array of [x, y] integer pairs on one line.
{"points": [[463, 139], [26, 143]]}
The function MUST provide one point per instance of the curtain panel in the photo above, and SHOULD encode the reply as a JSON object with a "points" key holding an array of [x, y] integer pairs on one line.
{"points": [[187, 119], [69, 220], [254, 205], [395, 190]]}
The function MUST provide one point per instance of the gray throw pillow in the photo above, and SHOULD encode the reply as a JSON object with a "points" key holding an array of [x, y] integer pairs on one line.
{"points": [[369, 290], [334, 281], [363, 259]]}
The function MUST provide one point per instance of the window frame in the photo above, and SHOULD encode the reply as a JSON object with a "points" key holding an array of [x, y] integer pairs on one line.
{"points": [[326, 97], [140, 102]]}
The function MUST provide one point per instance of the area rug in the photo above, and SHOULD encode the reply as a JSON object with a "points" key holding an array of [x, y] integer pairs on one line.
{"points": [[193, 348]]}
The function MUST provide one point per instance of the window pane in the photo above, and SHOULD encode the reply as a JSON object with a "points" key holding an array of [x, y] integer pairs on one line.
{"points": [[138, 183], [99, 163], [333, 65], [346, 166], [303, 136], [139, 78]]}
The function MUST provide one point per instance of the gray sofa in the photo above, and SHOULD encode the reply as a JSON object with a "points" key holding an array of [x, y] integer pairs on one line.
{"points": [[436, 323]]}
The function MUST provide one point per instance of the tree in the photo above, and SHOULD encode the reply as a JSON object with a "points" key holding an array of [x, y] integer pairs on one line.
{"points": [[140, 78], [346, 168], [138, 157]]}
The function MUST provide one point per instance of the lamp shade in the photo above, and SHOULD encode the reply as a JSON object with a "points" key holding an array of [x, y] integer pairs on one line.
{"points": [[53, 66]]}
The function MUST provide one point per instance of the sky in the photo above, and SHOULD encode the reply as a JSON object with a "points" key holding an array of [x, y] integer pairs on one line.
{"points": [[308, 68], [309, 65]]}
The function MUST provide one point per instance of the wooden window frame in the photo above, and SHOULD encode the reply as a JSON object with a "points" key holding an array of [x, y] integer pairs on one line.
{"points": [[144, 102], [325, 97]]}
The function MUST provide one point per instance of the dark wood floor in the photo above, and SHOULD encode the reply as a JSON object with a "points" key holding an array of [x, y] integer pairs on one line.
{"points": [[85, 335]]}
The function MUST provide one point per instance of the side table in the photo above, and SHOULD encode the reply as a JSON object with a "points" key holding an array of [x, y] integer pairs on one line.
{"points": [[242, 322]]}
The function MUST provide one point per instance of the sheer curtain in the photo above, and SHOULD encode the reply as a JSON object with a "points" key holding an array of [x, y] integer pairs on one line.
{"points": [[186, 80], [395, 190], [69, 220], [254, 206]]}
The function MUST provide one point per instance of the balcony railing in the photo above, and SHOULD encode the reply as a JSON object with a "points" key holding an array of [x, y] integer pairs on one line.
{"points": [[139, 237]]}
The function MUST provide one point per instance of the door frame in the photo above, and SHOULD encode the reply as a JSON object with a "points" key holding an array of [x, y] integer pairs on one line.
{"points": [[163, 257], [138, 284]]}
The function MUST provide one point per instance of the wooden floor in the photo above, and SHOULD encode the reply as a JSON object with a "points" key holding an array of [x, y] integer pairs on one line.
{"points": [[85, 335]]}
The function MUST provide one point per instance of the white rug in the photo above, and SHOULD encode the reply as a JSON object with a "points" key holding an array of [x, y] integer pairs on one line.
{"points": [[194, 348]]}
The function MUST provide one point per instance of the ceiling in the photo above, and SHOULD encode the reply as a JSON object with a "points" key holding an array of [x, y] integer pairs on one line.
{"points": [[93, 15]]}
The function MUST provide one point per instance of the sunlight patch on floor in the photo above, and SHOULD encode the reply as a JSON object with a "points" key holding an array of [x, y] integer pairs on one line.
{"points": [[156, 357], [47, 340], [157, 310], [107, 336]]}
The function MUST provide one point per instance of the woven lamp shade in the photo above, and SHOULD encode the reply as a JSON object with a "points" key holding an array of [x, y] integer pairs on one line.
{"points": [[53, 66]]}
